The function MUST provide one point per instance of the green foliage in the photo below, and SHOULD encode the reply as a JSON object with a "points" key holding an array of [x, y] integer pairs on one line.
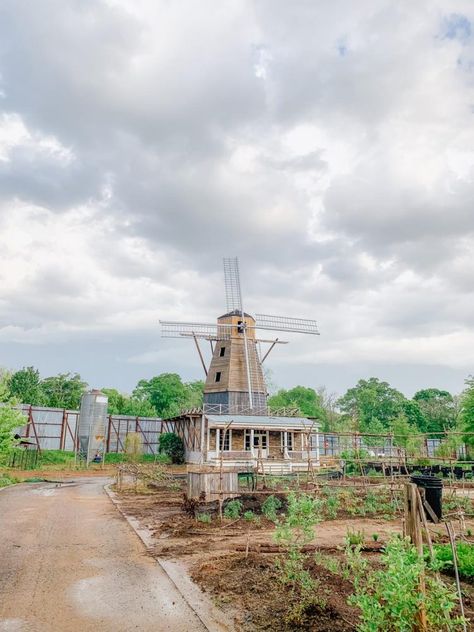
{"points": [[372, 399], [375, 537], [405, 435], [306, 400], [121, 404], [295, 530], [10, 418], [270, 507], [25, 386], [465, 557], [56, 457], [249, 516], [5, 377], [6, 480], [467, 409], [172, 446], [389, 599], [63, 391], [204, 517], [438, 409], [354, 538], [233, 509], [168, 394]]}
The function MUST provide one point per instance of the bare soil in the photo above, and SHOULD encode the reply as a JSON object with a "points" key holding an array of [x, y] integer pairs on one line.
{"points": [[234, 561]]}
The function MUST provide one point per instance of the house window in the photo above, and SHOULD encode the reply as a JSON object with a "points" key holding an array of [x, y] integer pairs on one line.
{"points": [[222, 352], [240, 326], [225, 442], [218, 376]]}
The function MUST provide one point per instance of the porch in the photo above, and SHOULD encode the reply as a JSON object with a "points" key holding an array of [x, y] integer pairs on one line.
{"points": [[276, 444]]}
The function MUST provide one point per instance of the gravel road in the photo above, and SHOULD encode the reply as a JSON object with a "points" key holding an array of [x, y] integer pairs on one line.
{"points": [[69, 562]]}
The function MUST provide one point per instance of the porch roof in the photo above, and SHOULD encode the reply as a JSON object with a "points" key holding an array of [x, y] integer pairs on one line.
{"points": [[262, 422]]}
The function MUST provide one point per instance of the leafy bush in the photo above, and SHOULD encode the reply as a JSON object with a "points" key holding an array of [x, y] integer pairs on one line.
{"points": [[270, 507], [389, 599], [249, 516], [10, 418], [204, 517], [233, 509], [173, 446], [465, 555]]}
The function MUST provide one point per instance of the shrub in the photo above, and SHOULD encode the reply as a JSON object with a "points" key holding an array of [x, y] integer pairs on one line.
{"points": [[172, 445], [465, 555], [204, 517], [389, 599], [270, 507], [233, 509], [249, 516]]}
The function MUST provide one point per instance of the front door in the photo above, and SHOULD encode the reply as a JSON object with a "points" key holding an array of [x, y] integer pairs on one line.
{"points": [[260, 443]]}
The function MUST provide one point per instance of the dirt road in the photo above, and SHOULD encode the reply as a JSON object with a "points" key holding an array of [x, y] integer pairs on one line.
{"points": [[69, 562]]}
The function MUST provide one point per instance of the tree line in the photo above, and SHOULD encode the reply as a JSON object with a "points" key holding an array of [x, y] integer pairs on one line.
{"points": [[372, 406]]}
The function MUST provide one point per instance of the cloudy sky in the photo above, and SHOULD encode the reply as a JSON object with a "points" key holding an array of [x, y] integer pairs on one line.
{"points": [[328, 145]]}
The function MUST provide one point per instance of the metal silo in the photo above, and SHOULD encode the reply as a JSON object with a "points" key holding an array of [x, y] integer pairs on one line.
{"points": [[92, 425]]}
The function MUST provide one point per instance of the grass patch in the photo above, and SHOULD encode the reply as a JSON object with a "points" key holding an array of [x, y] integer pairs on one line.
{"points": [[6, 480]]}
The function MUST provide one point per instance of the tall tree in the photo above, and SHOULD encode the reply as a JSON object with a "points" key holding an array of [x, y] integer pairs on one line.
{"points": [[25, 386], [305, 399], [166, 393], [63, 391], [438, 408], [122, 404], [5, 377], [372, 399], [467, 409]]}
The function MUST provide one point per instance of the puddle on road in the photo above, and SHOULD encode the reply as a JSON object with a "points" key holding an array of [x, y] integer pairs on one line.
{"points": [[17, 625]]}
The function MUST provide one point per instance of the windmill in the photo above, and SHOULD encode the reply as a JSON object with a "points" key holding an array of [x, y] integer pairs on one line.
{"points": [[234, 379]]}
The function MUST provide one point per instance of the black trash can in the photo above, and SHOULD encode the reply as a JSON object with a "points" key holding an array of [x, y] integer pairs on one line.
{"points": [[433, 487]]}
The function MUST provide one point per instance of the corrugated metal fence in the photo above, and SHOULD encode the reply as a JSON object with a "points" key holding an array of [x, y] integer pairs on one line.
{"points": [[56, 429]]}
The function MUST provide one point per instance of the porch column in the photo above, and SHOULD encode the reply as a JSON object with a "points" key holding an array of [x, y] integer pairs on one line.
{"points": [[317, 447], [218, 440], [251, 441], [285, 445]]}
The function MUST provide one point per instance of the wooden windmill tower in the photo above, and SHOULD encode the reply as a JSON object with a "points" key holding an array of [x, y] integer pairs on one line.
{"points": [[234, 380]]}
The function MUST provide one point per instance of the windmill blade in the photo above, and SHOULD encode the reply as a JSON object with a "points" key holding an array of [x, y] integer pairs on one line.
{"points": [[175, 329], [233, 292], [284, 323]]}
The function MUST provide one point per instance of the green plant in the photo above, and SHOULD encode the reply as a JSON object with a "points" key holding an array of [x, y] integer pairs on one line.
{"points": [[354, 538], [375, 537], [10, 418], [270, 507], [465, 557], [390, 599], [204, 517], [294, 530], [469, 533], [331, 506], [233, 509], [249, 516], [173, 446]]}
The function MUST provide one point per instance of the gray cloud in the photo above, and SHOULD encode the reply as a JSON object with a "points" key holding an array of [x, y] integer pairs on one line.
{"points": [[329, 146]]}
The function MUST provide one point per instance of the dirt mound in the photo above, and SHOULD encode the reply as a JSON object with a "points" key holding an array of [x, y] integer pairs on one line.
{"points": [[251, 585]]}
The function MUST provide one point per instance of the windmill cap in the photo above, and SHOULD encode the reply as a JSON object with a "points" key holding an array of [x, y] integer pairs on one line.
{"points": [[236, 312]]}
